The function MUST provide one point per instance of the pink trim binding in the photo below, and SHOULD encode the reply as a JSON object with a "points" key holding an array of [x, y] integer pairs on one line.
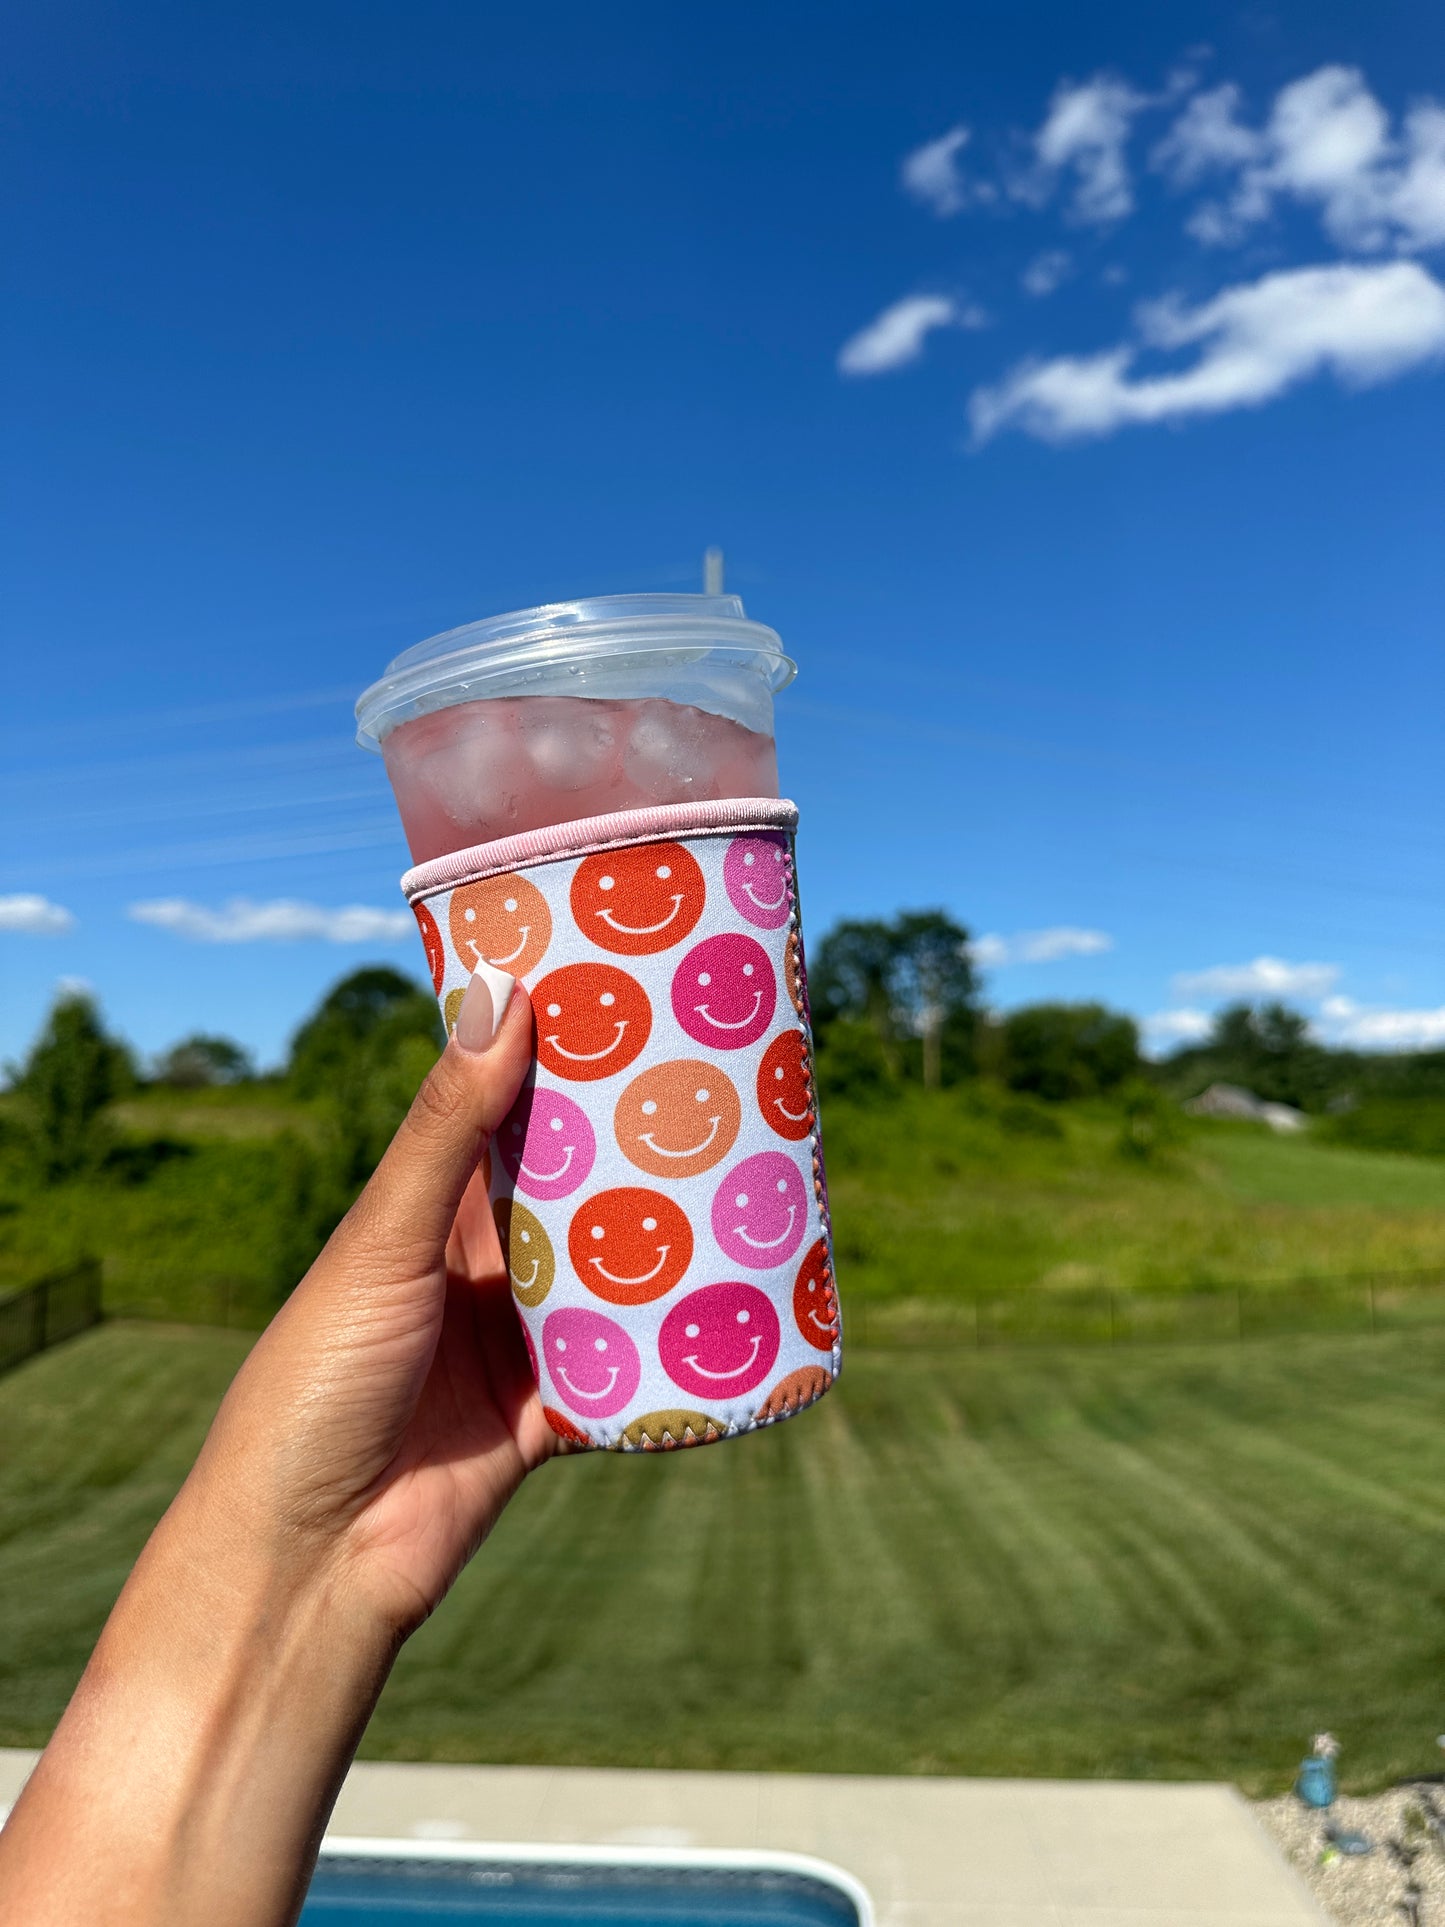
{"points": [[592, 833]]}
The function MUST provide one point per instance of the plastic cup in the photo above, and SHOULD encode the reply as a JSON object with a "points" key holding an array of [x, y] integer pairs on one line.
{"points": [[572, 710]]}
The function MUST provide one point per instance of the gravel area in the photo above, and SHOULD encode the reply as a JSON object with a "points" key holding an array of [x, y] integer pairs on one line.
{"points": [[1369, 1890]]}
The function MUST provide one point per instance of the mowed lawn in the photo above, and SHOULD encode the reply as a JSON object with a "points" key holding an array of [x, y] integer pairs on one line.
{"points": [[1172, 1561]]}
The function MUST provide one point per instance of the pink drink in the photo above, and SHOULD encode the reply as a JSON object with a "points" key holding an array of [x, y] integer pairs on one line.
{"points": [[487, 769], [576, 710]]}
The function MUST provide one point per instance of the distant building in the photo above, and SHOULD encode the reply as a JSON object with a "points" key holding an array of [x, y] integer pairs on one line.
{"points": [[1233, 1101]]}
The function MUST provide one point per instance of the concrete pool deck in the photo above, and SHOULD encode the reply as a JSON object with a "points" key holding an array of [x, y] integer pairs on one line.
{"points": [[931, 1852]]}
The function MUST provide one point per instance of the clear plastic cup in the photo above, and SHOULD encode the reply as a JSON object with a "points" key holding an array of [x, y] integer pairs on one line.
{"points": [[575, 709]]}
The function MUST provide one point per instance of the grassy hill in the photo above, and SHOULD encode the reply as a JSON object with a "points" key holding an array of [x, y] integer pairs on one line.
{"points": [[1170, 1561]]}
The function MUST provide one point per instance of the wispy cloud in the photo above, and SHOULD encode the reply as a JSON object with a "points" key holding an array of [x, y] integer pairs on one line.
{"points": [[896, 336], [1184, 1026], [1264, 977], [1039, 946], [284, 920], [931, 174], [1363, 324], [35, 916], [1084, 137], [1047, 271], [1349, 1023]]}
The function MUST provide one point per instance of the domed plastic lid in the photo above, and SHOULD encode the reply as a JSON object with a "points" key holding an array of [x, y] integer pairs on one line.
{"points": [[574, 648]]}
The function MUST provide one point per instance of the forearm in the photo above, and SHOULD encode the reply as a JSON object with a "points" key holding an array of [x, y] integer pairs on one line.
{"points": [[192, 1775]]}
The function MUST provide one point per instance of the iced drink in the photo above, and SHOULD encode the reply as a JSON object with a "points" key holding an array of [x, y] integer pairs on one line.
{"points": [[576, 710]]}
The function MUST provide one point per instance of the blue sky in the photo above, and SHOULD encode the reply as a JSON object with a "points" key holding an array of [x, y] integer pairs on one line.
{"points": [[1065, 384]]}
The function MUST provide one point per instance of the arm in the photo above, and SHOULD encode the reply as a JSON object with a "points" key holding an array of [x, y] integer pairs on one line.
{"points": [[361, 1456]]}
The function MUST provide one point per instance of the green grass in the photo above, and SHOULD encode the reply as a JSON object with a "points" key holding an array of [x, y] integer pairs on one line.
{"points": [[1172, 1561]]}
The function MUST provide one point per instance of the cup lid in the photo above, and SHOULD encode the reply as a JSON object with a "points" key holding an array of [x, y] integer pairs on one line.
{"points": [[458, 665]]}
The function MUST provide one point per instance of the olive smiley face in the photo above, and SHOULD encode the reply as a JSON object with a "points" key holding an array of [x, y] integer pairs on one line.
{"points": [[720, 1342], [815, 1301], [724, 991], [592, 1020], [531, 1261], [785, 1086], [639, 901], [594, 1365], [677, 1119], [630, 1245], [503, 921], [546, 1144], [760, 1211], [436, 956], [755, 876]]}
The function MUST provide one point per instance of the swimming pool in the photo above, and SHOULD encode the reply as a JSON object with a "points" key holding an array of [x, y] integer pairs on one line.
{"points": [[402, 1883]]}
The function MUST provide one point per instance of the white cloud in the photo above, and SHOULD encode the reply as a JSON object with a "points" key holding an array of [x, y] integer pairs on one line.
{"points": [[1039, 946], [1047, 271], [35, 916], [281, 921], [74, 987], [1328, 143], [1363, 324], [896, 336], [1086, 132], [1168, 1027], [1346, 1022], [1264, 977], [931, 175]]}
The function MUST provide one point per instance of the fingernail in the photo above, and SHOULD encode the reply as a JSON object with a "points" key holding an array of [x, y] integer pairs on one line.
{"points": [[483, 1007]]}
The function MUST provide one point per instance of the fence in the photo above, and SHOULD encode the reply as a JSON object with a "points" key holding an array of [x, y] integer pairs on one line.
{"points": [[52, 1308]]}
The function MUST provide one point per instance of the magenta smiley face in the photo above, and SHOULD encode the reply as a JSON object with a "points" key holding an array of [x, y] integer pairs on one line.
{"points": [[720, 1342], [755, 876], [546, 1143], [760, 1211], [724, 992], [594, 1365]]}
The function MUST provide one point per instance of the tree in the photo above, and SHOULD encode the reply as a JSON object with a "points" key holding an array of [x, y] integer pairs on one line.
{"points": [[852, 976], [1059, 1051], [199, 1061], [934, 985], [911, 978], [74, 1070]]}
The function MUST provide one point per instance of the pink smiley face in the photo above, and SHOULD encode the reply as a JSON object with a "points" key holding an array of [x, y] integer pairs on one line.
{"points": [[594, 1365], [724, 991], [721, 1341], [755, 876], [760, 1211], [546, 1143]]}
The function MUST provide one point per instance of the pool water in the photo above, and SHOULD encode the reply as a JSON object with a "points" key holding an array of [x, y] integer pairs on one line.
{"points": [[397, 1893]]}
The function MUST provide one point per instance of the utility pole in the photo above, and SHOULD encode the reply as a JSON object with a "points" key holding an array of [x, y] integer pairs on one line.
{"points": [[712, 572]]}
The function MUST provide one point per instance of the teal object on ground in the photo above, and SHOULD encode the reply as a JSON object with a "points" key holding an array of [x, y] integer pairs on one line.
{"points": [[1315, 1785]]}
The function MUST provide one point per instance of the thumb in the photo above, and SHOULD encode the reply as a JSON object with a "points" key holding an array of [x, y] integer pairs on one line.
{"points": [[403, 1218]]}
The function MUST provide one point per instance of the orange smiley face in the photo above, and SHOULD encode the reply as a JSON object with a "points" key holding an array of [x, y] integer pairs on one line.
{"points": [[815, 1299], [592, 1020], [639, 901], [503, 921], [675, 1120], [785, 1085], [630, 1245], [436, 956]]}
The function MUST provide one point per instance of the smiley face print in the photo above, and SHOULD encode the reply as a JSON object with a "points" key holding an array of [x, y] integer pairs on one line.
{"points": [[503, 921], [592, 1020], [720, 1342], [546, 1144], [630, 1245], [431, 937], [755, 876], [677, 1119], [594, 1365], [531, 1261], [815, 1302], [760, 1211], [724, 992], [785, 1086], [795, 975], [639, 901]]}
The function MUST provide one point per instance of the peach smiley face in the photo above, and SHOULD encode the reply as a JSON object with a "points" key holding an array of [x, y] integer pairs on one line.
{"points": [[760, 1211], [677, 1119], [785, 1086], [639, 901], [531, 1261], [546, 1144], [592, 1020], [815, 1302], [594, 1365], [724, 991], [755, 876], [436, 956], [721, 1341], [503, 921], [630, 1245]]}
